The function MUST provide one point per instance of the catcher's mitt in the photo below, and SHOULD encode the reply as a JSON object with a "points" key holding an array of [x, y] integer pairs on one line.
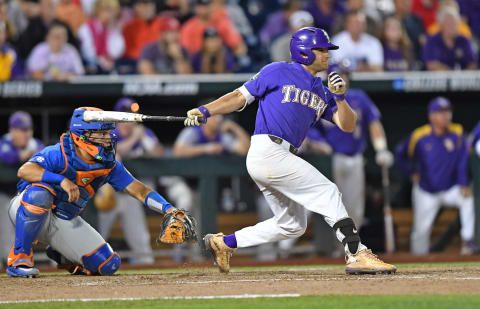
{"points": [[177, 226]]}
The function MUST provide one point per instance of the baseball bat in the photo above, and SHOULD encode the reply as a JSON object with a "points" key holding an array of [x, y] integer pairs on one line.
{"points": [[387, 212], [110, 116]]}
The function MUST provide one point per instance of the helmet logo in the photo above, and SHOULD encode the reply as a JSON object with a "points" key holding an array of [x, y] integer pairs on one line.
{"points": [[85, 180]]}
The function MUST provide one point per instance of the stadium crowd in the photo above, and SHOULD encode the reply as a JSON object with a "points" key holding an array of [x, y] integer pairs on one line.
{"points": [[58, 39]]}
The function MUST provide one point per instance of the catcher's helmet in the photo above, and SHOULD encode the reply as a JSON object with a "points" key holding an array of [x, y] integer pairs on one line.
{"points": [[79, 128], [304, 40]]}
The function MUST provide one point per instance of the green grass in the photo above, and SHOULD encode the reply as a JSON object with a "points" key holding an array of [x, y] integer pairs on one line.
{"points": [[324, 302]]}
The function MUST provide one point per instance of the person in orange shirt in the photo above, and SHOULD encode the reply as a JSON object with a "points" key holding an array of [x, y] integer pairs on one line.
{"points": [[191, 34], [71, 14], [145, 28]]}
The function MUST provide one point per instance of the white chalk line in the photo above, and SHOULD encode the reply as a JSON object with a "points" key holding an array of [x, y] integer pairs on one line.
{"points": [[148, 298]]}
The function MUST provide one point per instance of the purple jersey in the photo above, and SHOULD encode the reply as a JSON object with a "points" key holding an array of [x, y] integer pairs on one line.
{"points": [[9, 154], [349, 143], [394, 60], [291, 100], [441, 161], [458, 57]]}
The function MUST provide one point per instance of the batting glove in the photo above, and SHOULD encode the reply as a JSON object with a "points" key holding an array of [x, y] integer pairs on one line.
{"points": [[384, 158], [193, 117], [337, 86]]}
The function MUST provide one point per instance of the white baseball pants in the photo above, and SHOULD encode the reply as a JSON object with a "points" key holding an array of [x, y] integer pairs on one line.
{"points": [[291, 186], [425, 209]]}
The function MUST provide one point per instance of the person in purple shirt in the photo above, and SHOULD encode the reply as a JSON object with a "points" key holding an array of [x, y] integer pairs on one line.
{"points": [[471, 10], [214, 57], [325, 12], [291, 100], [277, 22], [16, 147], [55, 59], [397, 49], [448, 50], [435, 158]]}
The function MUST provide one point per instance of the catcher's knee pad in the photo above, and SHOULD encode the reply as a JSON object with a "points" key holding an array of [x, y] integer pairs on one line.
{"points": [[103, 260], [346, 227], [37, 199]]}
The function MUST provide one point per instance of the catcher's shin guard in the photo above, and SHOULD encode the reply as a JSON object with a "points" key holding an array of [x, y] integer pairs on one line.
{"points": [[365, 262], [102, 261], [220, 251]]}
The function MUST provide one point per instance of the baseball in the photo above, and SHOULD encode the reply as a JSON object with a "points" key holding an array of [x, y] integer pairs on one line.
{"points": [[135, 107]]}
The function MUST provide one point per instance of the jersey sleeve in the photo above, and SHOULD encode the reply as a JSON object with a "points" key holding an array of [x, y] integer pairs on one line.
{"points": [[120, 177], [50, 158], [260, 83], [331, 106], [402, 159]]}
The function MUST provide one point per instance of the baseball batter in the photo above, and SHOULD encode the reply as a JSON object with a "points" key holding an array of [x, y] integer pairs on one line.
{"points": [[291, 100], [435, 157], [56, 184]]}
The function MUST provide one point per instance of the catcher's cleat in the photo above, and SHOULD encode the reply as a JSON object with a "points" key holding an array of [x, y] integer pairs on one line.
{"points": [[365, 262], [22, 271], [220, 251], [63, 263]]}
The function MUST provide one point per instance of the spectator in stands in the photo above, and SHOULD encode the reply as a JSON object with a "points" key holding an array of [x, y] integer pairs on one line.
{"points": [[277, 22], [101, 37], [325, 13], [11, 30], [363, 51], [426, 10], [413, 26], [37, 29], [462, 25], [165, 56], [16, 147], [449, 50], [179, 9], [19, 11], [70, 13], [9, 62], [397, 51], [191, 33], [214, 57], [372, 19], [232, 10], [145, 28], [280, 48], [435, 158], [55, 59], [470, 9]]}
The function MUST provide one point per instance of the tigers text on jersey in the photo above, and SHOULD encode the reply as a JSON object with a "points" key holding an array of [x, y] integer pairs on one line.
{"points": [[291, 100]]}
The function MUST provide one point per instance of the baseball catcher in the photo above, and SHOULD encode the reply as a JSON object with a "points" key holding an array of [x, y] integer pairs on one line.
{"points": [[54, 189]]}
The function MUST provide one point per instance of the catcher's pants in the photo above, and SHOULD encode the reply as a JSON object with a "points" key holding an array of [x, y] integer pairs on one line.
{"points": [[291, 186], [7, 232], [72, 238], [425, 209]]}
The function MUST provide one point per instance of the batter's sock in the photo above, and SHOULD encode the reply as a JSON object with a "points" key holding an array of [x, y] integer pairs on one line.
{"points": [[230, 240]]}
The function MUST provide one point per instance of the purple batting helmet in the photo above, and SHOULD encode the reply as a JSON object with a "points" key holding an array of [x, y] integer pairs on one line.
{"points": [[306, 39]]}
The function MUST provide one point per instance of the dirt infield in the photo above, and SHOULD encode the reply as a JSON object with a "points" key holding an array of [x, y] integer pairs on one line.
{"points": [[206, 282]]}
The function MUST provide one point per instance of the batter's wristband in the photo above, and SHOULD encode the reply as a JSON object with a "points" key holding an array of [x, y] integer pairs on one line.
{"points": [[156, 202], [50, 177], [204, 112], [339, 97]]}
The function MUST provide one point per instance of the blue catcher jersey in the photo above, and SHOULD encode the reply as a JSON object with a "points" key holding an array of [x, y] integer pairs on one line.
{"points": [[291, 100], [88, 176]]}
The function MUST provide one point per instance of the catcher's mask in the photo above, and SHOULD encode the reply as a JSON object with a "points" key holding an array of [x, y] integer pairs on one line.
{"points": [[96, 138]]}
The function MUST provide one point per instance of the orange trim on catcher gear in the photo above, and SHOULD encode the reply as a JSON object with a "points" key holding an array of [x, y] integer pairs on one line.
{"points": [[85, 178], [105, 262], [34, 209], [45, 187], [89, 148], [87, 255], [12, 258], [90, 108], [64, 155]]}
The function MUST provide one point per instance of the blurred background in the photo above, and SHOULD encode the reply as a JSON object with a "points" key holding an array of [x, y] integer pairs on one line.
{"points": [[172, 55]]}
